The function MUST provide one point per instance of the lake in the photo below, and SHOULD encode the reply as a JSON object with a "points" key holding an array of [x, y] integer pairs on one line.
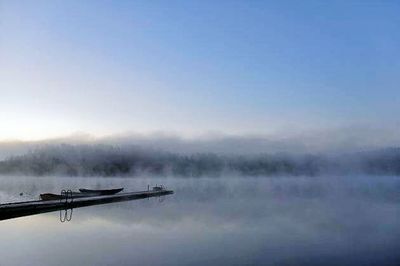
{"points": [[352, 220]]}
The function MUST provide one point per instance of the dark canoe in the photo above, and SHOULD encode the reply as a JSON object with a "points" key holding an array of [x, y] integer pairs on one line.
{"points": [[63, 195], [51, 196], [101, 191]]}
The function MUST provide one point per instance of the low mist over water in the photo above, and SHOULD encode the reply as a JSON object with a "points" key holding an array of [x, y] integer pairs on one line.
{"points": [[328, 220], [261, 208]]}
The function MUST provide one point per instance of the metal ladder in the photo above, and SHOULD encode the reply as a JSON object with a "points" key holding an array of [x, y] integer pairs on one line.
{"points": [[68, 195]]}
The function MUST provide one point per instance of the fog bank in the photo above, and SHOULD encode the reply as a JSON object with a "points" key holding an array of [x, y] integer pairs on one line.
{"points": [[131, 160]]}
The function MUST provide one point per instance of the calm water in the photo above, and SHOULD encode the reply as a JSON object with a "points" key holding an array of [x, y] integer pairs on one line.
{"points": [[220, 221]]}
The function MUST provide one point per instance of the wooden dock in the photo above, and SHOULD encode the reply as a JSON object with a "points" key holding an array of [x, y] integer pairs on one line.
{"points": [[19, 209]]}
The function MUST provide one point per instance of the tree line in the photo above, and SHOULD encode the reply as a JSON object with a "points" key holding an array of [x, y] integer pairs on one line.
{"points": [[102, 160]]}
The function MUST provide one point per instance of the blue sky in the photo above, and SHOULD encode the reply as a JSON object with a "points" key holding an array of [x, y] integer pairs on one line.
{"points": [[192, 67]]}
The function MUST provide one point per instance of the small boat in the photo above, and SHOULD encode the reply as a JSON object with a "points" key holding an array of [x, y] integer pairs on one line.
{"points": [[63, 195], [101, 191], [83, 193], [51, 196], [69, 195]]}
